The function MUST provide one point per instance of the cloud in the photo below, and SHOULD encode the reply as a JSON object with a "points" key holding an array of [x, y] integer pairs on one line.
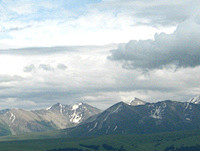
{"points": [[179, 49], [9, 78], [154, 12], [57, 24], [16, 103], [46, 67], [91, 78], [39, 50], [61, 66], [29, 68], [39, 36]]}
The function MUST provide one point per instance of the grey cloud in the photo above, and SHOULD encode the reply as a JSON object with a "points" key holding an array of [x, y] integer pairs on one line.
{"points": [[166, 14], [50, 50], [180, 49], [46, 67], [16, 103], [45, 50], [154, 12], [61, 66], [8, 78], [29, 68]]}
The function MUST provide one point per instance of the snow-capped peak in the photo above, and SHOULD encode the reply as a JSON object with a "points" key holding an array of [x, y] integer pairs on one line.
{"points": [[195, 100], [136, 102]]}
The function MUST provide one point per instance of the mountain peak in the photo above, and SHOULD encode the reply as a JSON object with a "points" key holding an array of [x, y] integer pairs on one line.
{"points": [[58, 107], [195, 100], [117, 107], [137, 101]]}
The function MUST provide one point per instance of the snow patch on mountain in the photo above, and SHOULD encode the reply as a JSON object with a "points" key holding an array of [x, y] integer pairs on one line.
{"points": [[76, 117], [12, 117], [61, 108], [188, 119], [48, 108], [195, 100], [136, 101], [156, 112], [117, 109], [74, 107], [115, 128], [95, 125]]}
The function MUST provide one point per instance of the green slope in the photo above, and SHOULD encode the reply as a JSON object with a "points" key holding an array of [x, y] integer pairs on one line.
{"points": [[148, 142]]}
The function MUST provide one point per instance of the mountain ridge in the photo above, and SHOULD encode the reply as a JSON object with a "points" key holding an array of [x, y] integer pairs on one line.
{"points": [[82, 119], [122, 118], [58, 116]]}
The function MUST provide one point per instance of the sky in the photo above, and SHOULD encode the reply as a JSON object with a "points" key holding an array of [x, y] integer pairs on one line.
{"points": [[98, 51]]}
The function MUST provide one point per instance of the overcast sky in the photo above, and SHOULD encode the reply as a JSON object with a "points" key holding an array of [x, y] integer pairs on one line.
{"points": [[98, 51]]}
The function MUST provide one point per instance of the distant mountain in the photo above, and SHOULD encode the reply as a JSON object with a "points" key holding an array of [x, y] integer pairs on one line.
{"points": [[122, 118], [137, 101], [76, 113], [81, 119], [58, 116], [195, 100]]}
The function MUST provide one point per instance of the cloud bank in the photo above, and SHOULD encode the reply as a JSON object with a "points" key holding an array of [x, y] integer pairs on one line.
{"points": [[149, 41], [180, 49]]}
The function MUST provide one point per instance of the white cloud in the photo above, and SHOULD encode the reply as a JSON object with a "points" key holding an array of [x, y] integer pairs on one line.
{"points": [[94, 27]]}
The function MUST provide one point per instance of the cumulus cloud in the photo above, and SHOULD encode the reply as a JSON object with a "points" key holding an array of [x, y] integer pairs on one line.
{"points": [[179, 49], [61, 66], [46, 67], [29, 68]]}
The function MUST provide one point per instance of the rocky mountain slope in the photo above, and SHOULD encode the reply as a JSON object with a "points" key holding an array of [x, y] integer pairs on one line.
{"points": [[122, 118], [59, 116]]}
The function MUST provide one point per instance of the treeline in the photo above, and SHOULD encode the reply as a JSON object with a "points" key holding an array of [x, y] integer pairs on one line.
{"points": [[67, 149], [95, 147], [183, 148], [108, 147], [91, 147]]}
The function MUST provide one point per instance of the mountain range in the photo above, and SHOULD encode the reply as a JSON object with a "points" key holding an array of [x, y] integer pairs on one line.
{"points": [[124, 118], [58, 116], [81, 119]]}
